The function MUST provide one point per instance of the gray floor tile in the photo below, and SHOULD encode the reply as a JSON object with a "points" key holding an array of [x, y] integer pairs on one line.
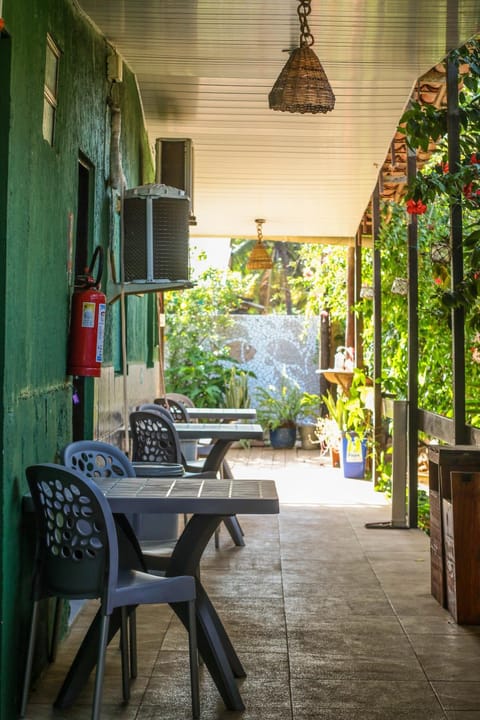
{"points": [[458, 695], [352, 694], [331, 620]]}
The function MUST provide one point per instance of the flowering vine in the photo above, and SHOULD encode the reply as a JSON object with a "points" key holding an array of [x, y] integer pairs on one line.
{"points": [[416, 207], [438, 181]]}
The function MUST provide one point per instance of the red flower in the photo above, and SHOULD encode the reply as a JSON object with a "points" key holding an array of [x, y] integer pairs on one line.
{"points": [[437, 281], [474, 159], [468, 190], [445, 168], [416, 207]]}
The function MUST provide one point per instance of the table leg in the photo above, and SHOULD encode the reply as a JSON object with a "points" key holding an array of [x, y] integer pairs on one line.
{"points": [[216, 456], [231, 523], [214, 651], [215, 462]]}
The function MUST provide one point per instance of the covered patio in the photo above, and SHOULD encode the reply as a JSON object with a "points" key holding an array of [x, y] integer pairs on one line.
{"points": [[331, 620]]}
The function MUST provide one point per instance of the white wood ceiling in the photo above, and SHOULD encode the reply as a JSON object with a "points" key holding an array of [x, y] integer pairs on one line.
{"points": [[205, 68]]}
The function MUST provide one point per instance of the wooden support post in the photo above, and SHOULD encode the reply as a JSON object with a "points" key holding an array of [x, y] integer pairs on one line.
{"points": [[458, 314], [412, 424], [377, 331], [358, 319], [350, 328]]}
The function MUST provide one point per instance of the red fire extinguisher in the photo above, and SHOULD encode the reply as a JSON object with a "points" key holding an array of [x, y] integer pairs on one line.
{"points": [[87, 322]]}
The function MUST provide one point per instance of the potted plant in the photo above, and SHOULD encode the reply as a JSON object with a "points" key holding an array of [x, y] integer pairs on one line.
{"points": [[278, 410], [307, 421], [353, 418], [236, 393], [329, 438]]}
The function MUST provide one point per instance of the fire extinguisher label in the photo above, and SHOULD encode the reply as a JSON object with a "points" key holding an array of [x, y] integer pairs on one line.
{"points": [[88, 314], [100, 332]]}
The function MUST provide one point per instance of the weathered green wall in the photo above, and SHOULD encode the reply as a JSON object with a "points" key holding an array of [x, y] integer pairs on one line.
{"points": [[35, 203]]}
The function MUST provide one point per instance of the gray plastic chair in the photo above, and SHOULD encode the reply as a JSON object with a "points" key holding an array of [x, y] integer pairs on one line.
{"points": [[78, 558], [94, 458]]}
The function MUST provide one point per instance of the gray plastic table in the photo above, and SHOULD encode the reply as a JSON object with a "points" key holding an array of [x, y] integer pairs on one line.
{"points": [[222, 414], [209, 500], [224, 434]]}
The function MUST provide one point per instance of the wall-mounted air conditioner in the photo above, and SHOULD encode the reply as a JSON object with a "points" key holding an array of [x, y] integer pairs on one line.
{"points": [[155, 234], [174, 166]]}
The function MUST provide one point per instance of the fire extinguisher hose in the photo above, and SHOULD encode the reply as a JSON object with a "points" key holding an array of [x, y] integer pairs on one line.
{"points": [[98, 253]]}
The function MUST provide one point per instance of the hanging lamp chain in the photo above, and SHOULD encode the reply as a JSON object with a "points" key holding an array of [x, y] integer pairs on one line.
{"points": [[259, 230], [303, 11]]}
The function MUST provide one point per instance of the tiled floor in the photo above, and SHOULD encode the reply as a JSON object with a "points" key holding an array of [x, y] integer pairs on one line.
{"points": [[332, 621]]}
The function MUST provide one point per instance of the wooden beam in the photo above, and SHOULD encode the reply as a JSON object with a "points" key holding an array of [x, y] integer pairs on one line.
{"points": [[314, 239]]}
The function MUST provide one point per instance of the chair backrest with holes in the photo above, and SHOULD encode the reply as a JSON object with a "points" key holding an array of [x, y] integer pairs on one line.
{"points": [[97, 459], [77, 552], [153, 407], [177, 410], [184, 399], [154, 438]]}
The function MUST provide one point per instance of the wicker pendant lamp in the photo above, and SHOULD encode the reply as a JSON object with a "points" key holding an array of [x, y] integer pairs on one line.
{"points": [[259, 258], [302, 86]]}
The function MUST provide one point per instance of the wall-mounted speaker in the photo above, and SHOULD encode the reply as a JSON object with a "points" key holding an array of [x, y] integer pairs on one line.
{"points": [[155, 234], [174, 166]]}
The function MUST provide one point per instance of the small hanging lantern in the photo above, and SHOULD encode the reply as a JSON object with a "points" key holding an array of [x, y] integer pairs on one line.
{"points": [[400, 286], [302, 86], [366, 292], [440, 253], [259, 258]]}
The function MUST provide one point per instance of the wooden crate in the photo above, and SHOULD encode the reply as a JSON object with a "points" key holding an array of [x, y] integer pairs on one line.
{"points": [[443, 460], [461, 531]]}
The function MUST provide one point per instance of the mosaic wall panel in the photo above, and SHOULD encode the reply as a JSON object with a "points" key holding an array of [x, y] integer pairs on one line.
{"points": [[273, 345]]}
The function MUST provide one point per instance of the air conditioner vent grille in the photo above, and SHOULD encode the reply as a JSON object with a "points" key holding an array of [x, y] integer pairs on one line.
{"points": [[156, 234]]}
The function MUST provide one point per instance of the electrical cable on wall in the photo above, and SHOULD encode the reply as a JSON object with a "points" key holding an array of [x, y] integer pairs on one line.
{"points": [[118, 183]]}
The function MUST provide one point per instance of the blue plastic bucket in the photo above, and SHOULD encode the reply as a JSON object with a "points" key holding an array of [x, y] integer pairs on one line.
{"points": [[354, 453]]}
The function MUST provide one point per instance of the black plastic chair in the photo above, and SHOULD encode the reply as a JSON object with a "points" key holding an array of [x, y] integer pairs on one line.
{"points": [[78, 558], [179, 397], [155, 407], [154, 438], [178, 411]]}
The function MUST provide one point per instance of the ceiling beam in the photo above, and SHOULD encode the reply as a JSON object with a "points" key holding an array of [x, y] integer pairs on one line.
{"points": [[315, 239]]}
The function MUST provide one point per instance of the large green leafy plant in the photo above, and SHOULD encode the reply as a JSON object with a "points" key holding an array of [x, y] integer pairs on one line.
{"points": [[198, 362]]}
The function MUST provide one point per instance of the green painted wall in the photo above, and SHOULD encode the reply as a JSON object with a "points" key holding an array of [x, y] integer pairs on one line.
{"points": [[38, 192]]}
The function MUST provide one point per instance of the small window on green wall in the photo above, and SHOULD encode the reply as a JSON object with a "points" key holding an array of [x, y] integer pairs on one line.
{"points": [[50, 90]]}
